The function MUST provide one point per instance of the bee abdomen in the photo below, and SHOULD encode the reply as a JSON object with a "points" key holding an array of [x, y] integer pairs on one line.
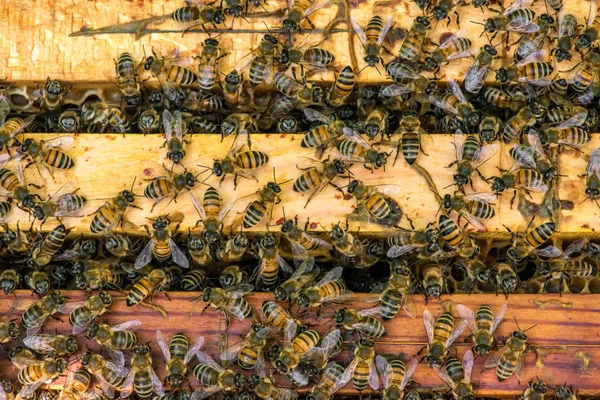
{"points": [[443, 327], [484, 317], [142, 383], [254, 214], [480, 209], [247, 358], [410, 147], [316, 55], [540, 234], [211, 201], [373, 28], [139, 292], [316, 136], [251, 159], [58, 159], [103, 219], [390, 304], [157, 189], [307, 181], [305, 341], [179, 345]]}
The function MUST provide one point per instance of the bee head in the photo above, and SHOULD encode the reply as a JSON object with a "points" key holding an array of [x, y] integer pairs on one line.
{"points": [[175, 379], [434, 362], [13, 330], [93, 330], [337, 232], [206, 294], [233, 78], [422, 20], [372, 130], [269, 241], [447, 202], [284, 56], [490, 26], [218, 168], [498, 185], [227, 127], [38, 213], [513, 255], [58, 298], [241, 240], [90, 247], [339, 315], [211, 42], [303, 300], [540, 387], [8, 285], [175, 156], [7, 385], [372, 60], [28, 201], [61, 365], [281, 368], [280, 294], [141, 349], [289, 26], [439, 13], [310, 370], [211, 236], [381, 160], [72, 345], [352, 186], [105, 297], [273, 352], [460, 180], [583, 42], [431, 64], [25, 145], [160, 223], [253, 381], [366, 342], [287, 225], [289, 124], [482, 349], [434, 291]]}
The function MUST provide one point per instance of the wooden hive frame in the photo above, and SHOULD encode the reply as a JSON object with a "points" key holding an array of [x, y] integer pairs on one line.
{"points": [[108, 163]]}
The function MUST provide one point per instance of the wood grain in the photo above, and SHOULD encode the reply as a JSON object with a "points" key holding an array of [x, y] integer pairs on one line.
{"points": [[36, 43], [566, 326]]}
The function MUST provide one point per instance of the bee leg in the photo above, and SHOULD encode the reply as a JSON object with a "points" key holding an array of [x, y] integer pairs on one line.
{"points": [[457, 18], [512, 200], [452, 163]]}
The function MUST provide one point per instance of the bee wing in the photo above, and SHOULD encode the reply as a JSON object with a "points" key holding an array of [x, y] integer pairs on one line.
{"points": [[385, 29], [117, 356], [105, 386], [370, 311], [574, 248], [474, 76], [515, 5], [593, 166], [168, 120], [534, 141], [239, 142], [29, 390], [428, 321], [164, 347], [314, 116], [145, 255], [178, 125], [39, 343], [71, 306], [458, 330], [348, 372], [411, 367], [303, 268], [26, 122], [460, 54], [576, 120], [537, 55], [593, 12], [245, 61], [523, 25], [548, 252], [459, 141], [60, 141], [452, 39], [484, 197], [395, 90], [130, 325], [333, 275], [494, 358], [564, 29], [443, 105], [398, 251], [198, 206], [285, 267], [484, 153], [315, 6], [232, 352], [351, 134], [289, 333], [120, 371], [260, 364], [525, 158], [207, 360], [457, 91], [359, 31], [194, 348], [157, 385], [467, 363], [478, 225], [445, 378], [178, 255], [128, 384], [468, 316], [322, 243], [204, 392], [299, 252], [499, 317], [2, 393], [385, 369], [373, 377], [330, 343], [409, 306], [519, 365]]}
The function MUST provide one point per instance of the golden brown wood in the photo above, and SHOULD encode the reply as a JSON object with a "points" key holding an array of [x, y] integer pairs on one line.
{"points": [[106, 164], [564, 328], [39, 46]]}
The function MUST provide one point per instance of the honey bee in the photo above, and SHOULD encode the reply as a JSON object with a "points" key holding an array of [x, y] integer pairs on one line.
{"points": [[412, 46], [304, 274], [36, 312], [434, 281], [76, 385], [178, 353], [489, 128], [115, 338], [270, 262], [306, 53], [10, 280], [590, 34], [55, 345], [249, 351], [296, 348], [329, 289], [403, 242], [535, 391], [234, 249], [264, 388], [356, 149], [456, 103], [376, 122], [478, 71], [325, 135], [567, 133], [237, 122], [298, 10], [395, 375], [362, 321], [348, 245], [156, 280], [457, 375], [298, 91], [470, 155], [4, 106], [301, 242], [482, 325], [161, 245], [36, 373], [11, 128], [207, 66], [240, 163], [278, 317], [214, 377], [342, 87], [69, 122], [316, 178], [232, 276], [52, 95], [564, 268], [473, 207], [43, 251], [112, 212], [261, 61], [362, 368], [233, 90], [125, 78], [231, 300], [199, 13], [260, 204], [45, 154], [374, 204], [141, 376], [565, 393], [21, 357], [528, 70], [441, 333], [316, 358], [592, 181], [104, 274], [586, 71], [509, 359], [64, 203], [372, 38], [9, 331], [174, 124], [515, 18], [171, 72], [82, 313], [454, 47], [456, 238], [532, 42], [331, 381], [505, 278], [110, 375], [522, 246]]}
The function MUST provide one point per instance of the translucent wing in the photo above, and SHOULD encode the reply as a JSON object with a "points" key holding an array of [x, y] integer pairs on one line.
{"points": [[519, 365], [359, 31], [177, 255], [232, 352], [370, 311], [354, 136], [26, 122], [299, 252], [592, 13], [60, 141], [548, 251], [71, 306], [475, 76], [499, 317], [314, 116], [446, 106], [593, 166], [303, 268], [239, 291], [330, 342], [164, 347], [130, 325], [467, 363], [409, 306], [536, 55], [484, 197], [459, 54], [120, 371], [494, 358], [205, 392], [573, 248], [457, 91], [428, 321], [459, 142], [385, 369], [483, 154], [198, 206], [395, 90], [515, 5], [29, 390], [564, 29], [194, 348], [468, 316], [40, 343], [478, 225], [385, 29], [315, 6], [398, 251], [168, 124], [373, 377], [411, 367], [523, 25], [445, 378], [576, 120], [207, 360], [285, 267], [156, 383], [331, 276], [145, 255], [525, 157], [128, 384], [239, 142], [289, 333], [458, 330], [451, 40]]}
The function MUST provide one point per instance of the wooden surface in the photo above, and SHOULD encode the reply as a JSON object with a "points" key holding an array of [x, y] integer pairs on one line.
{"points": [[106, 164], [566, 327], [41, 46]]}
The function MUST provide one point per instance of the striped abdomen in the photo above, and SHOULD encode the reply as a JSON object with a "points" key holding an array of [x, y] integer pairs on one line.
{"points": [[470, 146], [207, 76], [331, 290], [247, 358], [70, 203], [575, 136], [344, 84], [484, 317], [530, 178], [211, 202], [142, 383], [480, 209], [251, 159], [310, 179], [124, 340], [30, 374], [378, 206], [255, 213], [454, 369], [374, 28], [372, 327], [186, 14], [522, 13], [269, 271], [258, 70], [158, 188], [581, 268], [305, 341], [179, 345], [449, 231], [57, 159], [351, 149], [317, 136], [315, 55], [275, 314], [398, 372], [112, 378], [536, 70], [390, 304], [410, 144], [104, 219], [161, 250], [540, 234], [139, 291], [206, 375], [4, 209], [125, 65], [53, 241], [242, 304], [360, 378], [8, 179], [443, 327], [180, 75], [506, 365]]}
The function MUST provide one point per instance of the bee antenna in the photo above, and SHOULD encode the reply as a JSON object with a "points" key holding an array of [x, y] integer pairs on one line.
{"points": [[364, 69], [283, 210], [518, 327], [530, 328]]}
